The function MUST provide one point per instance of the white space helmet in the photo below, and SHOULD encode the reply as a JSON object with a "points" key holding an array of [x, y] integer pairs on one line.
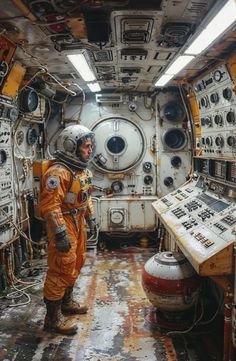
{"points": [[68, 143]]}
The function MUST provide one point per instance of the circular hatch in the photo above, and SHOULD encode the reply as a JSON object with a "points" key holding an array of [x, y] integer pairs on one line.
{"points": [[120, 144]]}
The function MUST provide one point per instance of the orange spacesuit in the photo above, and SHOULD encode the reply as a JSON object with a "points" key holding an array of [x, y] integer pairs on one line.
{"points": [[65, 203]]}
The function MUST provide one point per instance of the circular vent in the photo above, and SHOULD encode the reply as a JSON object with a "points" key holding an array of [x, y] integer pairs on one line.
{"points": [[120, 144], [174, 139], [28, 100], [172, 112]]}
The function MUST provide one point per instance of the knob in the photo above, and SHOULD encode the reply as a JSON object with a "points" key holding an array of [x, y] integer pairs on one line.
{"points": [[218, 119], [214, 98], [219, 141], [148, 179], [168, 181], [117, 186]]}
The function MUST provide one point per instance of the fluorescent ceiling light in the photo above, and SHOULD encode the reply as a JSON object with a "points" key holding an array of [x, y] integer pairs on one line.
{"points": [[81, 65], [225, 17], [94, 87], [179, 64], [163, 79]]}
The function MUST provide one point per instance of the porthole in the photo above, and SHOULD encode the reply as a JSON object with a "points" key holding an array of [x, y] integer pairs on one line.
{"points": [[174, 139]]}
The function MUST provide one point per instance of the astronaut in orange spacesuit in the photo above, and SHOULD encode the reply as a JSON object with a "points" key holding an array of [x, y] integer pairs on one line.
{"points": [[65, 205]]}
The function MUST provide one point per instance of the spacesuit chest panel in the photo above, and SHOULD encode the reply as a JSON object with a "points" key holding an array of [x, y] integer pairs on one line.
{"points": [[79, 190]]}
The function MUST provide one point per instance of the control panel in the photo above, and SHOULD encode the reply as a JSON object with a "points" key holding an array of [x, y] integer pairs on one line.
{"points": [[220, 169], [8, 114], [217, 107], [7, 217], [8, 110], [203, 223], [6, 163]]}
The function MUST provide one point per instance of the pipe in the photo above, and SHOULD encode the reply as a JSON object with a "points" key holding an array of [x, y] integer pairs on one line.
{"points": [[22, 7], [226, 284], [234, 303], [227, 356]]}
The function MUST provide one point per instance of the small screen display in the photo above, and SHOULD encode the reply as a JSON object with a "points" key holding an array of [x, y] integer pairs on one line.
{"points": [[219, 206], [232, 172], [220, 169]]}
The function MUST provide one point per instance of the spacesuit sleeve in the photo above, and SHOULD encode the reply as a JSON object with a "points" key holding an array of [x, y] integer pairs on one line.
{"points": [[90, 210], [55, 184]]}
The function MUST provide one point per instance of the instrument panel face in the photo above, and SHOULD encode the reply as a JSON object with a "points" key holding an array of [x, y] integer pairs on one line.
{"points": [[7, 217], [8, 114], [6, 162], [216, 100], [202, 222]]}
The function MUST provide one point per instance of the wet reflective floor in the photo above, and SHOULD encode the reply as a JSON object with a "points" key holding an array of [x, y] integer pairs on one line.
{"points": [[117, 326]]}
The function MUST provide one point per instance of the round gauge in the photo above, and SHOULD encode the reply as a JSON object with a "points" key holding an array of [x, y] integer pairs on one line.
{"points": [[172, 112], [174, 139], [117, 186], [176, 161], [217, 75], [209, 141], [148, 180], [28, 100], [214, 98], [204, 102], [32, 136], [168, 181], [13, 114], [19, 137], [3, 157], [147, 167], [231, 141], [227, 93], [218, 119], [219, 141], [208, 121], [117, 216], [230, 117]]}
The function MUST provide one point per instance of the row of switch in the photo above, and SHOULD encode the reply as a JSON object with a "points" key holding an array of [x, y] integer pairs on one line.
{"points": [[220, 227], [193, 205], [179, 212], [204, 240], [190, 223], [167, 202], [207, 213], [230, 220]]}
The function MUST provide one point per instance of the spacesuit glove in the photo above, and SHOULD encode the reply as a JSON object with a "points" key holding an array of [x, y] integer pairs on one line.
{"points": [[62, 241], [91, 222]]}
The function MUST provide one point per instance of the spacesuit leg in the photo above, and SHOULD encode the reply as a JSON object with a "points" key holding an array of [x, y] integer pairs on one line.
{"points": [[62, 270], [69, 304]]}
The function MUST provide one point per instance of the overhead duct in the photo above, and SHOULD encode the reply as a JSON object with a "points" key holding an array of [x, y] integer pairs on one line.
{"points": [[109, 98]]}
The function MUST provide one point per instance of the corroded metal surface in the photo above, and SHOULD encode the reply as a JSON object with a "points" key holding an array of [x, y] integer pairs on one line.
{"points": [[114, 329]]}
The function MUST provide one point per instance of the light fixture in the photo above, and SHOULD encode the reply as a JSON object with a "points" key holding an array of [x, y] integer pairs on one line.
{"points": [[163, 79], [179, 64], [94, 87], [175, 67], [223, 20], [80, 63]]}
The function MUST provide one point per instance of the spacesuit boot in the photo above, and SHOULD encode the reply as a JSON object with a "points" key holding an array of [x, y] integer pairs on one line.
{"points": [[69, 305], [55, 321]]}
